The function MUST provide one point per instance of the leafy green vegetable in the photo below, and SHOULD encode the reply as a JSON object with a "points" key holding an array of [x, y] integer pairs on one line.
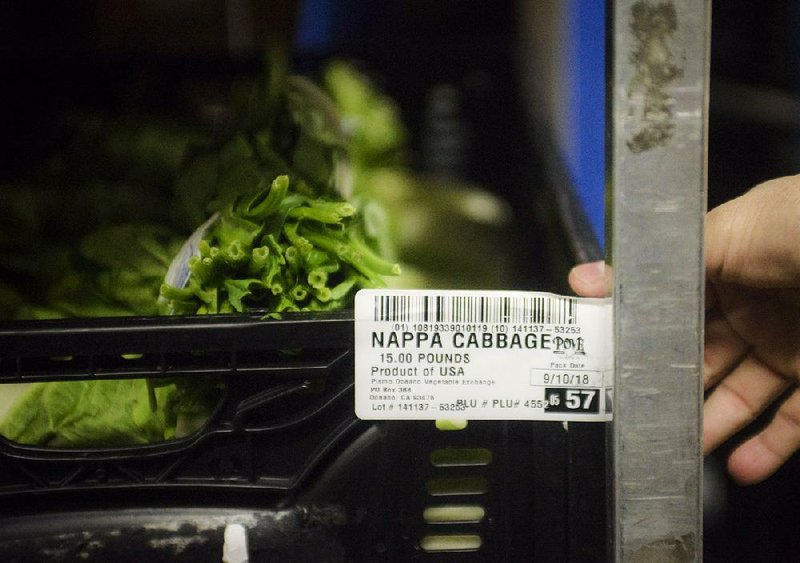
{"points": [[108, 413], [445, 233], [108, 171], [370, 119], [275, 234], [116, 271], [279, 250]]}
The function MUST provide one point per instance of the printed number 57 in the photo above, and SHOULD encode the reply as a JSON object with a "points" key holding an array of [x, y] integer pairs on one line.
{"points": [[579, 399]]}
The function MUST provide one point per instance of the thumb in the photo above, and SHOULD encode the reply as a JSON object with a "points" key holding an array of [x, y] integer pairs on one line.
{"points": [[590, 280]]}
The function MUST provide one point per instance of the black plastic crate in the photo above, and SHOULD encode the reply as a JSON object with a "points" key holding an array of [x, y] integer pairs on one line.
{"points": [[285, 457]]}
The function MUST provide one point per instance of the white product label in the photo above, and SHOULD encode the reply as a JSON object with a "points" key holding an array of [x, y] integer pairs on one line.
{"points": [[490, 355]]}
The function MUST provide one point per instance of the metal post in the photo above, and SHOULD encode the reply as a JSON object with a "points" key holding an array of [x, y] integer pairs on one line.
{"points": [[658, 103]]}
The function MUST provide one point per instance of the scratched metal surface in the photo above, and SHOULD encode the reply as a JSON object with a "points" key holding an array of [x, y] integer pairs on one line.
{"points": [[658, 117]]}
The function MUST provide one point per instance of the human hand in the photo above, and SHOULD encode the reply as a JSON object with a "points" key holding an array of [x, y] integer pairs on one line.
{"points": [[752, 335], [752, 341]]}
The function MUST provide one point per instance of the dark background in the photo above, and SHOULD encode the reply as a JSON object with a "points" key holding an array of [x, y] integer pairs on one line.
{"points": [[753, 136]]}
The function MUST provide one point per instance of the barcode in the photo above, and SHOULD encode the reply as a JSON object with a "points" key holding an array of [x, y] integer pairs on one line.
{"points": [[476, 309]]}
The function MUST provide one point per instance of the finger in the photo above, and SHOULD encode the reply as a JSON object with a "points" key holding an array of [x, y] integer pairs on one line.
{"points": [[592, 279], [762, 455], [724, 349], [738, 400], [768, 321], [750, 240], [711, 297]]}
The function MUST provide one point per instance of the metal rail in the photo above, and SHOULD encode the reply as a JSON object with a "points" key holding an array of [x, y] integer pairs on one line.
{"points": [[658, 99]]}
